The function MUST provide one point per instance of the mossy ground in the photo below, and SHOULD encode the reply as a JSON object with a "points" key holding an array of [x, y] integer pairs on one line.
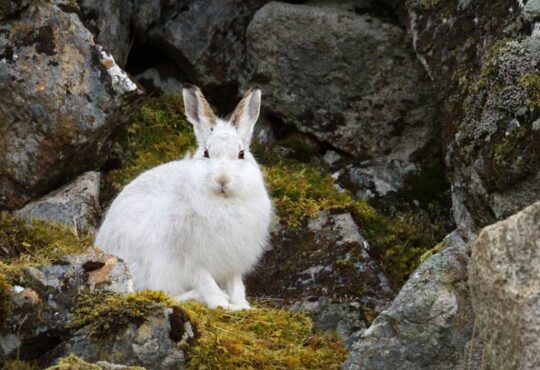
{"points": [[35, 244], [72, 362], [263, 338]]}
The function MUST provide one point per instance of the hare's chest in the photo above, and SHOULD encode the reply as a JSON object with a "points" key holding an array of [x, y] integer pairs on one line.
{"points": [[233, 238]]}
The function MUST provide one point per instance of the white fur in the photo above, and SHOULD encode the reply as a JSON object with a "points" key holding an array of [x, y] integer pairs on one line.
{"points": [[195, 226]]}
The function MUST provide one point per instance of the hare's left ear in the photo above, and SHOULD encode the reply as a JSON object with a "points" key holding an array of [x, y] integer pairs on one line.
{"points": [[246, 114]]}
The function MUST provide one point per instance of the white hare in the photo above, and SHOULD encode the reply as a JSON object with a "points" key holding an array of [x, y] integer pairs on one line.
{"points": [[195, 226]]}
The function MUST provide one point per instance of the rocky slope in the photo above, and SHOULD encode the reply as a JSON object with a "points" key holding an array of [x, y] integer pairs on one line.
{"points": [[386, 126]]}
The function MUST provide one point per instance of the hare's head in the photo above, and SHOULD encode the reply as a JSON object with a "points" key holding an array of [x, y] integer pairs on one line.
{"points": [[223, 144]]}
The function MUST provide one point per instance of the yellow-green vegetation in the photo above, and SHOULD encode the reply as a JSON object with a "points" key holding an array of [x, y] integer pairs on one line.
{"points": [[19, 365], [35, 244], [160, 133], [432, 251], [531, 82], [263, 338], [72, 362]]}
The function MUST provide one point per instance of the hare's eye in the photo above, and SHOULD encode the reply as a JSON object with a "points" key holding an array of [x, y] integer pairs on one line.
{"points": [[241, 155], [206, 155]]}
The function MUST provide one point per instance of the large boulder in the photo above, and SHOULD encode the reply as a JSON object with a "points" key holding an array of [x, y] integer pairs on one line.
{"points": [[109, 21], [506, 290], [325, 268], [205, 39], [75, 204], [63, 99], [484, 64], [430, 324], [348, 79]]}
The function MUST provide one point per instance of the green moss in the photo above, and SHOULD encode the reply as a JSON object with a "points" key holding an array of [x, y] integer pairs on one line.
{"points": [[506, 152], [158, 133], [19, 365], [263, 338], [531, 83], [107, 314], [72, 362], [35, 244], [431, 252]]}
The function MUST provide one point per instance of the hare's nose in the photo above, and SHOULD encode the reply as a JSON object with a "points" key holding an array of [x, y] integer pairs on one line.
{"points": [[223, 180]]}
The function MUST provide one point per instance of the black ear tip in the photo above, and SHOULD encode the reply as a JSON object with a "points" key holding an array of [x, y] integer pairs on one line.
{"points": [[188, 86], [255, 87]]}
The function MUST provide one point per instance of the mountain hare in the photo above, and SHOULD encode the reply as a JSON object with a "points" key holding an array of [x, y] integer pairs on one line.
{"points": [[195, 226]]}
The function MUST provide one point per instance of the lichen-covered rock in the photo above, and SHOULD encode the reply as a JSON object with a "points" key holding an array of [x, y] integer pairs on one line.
{"points": [[75, 204], [326, 261], [109, 21], [385, 111], [206, 39], [505, 290], [483, 62], [79, 305], [429, 324], [43, 298], [63, 99]]}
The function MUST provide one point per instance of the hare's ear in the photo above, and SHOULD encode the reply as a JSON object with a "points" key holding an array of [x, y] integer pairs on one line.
{"points": [[198, 112], [246, 114]]}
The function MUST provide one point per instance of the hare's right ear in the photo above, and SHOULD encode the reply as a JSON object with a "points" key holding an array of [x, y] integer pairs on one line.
{"points": [[198, 112]]}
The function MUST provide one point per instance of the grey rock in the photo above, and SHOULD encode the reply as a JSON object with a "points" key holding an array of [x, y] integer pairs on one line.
{"points": [[206, 39], [386, 110], [42, 305], [63, 98], [429, 325], [109, 21], [506, 291], [147, 345], [162, 78], [481, 63], [340, 318], [9, 8], [75, 204], [146, 13], [531, 11], [324, 266]]}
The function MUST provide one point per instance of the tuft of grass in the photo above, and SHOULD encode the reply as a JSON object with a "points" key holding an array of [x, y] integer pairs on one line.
{"points": [[5, 295], [262, 338]]}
